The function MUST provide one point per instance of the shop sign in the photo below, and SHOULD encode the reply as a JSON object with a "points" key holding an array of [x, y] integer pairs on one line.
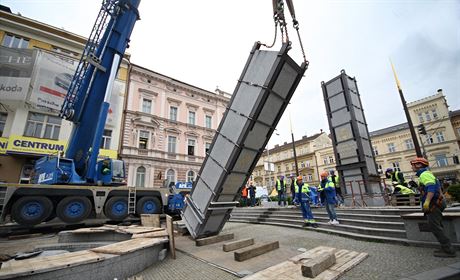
{"points": [[22, 144], [3, 145]]}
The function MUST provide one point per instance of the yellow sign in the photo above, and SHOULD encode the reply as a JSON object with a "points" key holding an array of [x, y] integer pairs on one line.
{"points": [[30, 145], [3, 145], [22, 144], [107, 154]]}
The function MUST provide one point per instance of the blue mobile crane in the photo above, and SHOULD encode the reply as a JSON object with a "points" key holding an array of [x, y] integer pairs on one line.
{"points": [[87, 102], [77, 185]]}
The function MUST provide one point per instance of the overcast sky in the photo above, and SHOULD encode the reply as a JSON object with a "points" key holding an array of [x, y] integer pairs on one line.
{"points": [[206, 43]]}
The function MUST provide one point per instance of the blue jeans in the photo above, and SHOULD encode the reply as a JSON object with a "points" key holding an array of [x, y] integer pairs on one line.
{"points": [[330, 208], [306, 211], [253, 201], [281, 198]]}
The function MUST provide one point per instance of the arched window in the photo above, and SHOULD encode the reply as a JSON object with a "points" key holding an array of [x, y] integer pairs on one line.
{"points": [[190, 176], [171, 175], [140, 176]]}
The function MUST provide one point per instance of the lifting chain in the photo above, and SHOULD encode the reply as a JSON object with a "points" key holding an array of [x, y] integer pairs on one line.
{"points": [[278, 17]]}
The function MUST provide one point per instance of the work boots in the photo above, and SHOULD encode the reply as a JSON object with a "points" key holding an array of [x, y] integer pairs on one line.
{"points": [[445, 254]]}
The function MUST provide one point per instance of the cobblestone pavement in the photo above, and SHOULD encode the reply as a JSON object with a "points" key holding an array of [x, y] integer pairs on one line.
{"points": [[385, 261]]}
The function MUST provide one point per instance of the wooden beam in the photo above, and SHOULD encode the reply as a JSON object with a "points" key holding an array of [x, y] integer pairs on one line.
{"points": [[238, 244], [214, 239], [255, 250]]}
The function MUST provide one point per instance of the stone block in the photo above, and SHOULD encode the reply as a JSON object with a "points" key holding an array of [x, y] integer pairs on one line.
{"points": [[313, 267]]}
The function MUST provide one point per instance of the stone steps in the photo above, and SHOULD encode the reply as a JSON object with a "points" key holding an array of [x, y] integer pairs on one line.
{"points": [[376, 223]]}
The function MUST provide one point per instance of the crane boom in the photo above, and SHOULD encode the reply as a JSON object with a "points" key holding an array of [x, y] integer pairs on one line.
{"points": [[87, 100]]}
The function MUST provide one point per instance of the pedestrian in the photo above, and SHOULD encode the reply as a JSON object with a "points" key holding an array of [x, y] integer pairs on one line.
{"points": [[244, 196], [395, 176], [336, 181], [281, 189], [303, 196], [328, 189], [252, 194], [433, 203]]}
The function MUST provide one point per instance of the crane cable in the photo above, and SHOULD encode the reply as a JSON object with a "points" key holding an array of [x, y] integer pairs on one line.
{"points": [[278, 17]]}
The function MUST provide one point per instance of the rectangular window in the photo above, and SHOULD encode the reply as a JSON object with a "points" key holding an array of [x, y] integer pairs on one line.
{"points": [[441, 160], [325, 160], [420, 117], [391, 148], [147, 106], [427, 116], [172, 144], [331, 159], [208, 121], [279, 168], [429, 138], [207, 146], [65, 51], [435, 114], [376, 152], [379, 169], [191, 117], [106, 139], [293, 166], [2, 123], [14, 41], [43, 126], [396, 166], [409, 144], [307, 163], [143, 139], [440, 137], [191, 147], [173, 113], [310, 177], [302, 164]]}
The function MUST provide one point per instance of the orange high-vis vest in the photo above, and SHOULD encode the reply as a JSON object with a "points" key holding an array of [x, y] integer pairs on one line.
{"points": [[244, 192]]}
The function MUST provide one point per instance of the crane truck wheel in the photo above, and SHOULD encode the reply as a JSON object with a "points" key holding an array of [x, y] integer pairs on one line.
{"points": [[73, 209], [148, 205], [31, 210], [116, 208]]}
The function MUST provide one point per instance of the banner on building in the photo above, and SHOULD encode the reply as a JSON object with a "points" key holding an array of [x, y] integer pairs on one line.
{"points": [[50, 80], [15, 73], [3, 145], [30, 145], [116, 103]]}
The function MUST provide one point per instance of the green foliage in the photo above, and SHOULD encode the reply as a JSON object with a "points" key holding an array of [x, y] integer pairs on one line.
{"points": [[454, 191]]}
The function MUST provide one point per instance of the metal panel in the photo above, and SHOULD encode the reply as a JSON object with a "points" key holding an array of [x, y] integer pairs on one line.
{"points": [[266, 85], [349, 131]]}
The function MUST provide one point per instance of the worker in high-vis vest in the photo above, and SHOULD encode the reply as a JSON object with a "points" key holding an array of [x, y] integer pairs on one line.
{"points": [[433, 203], [395, 176], [400, 189], [304, 198], [328, 188], [338, 191], [281, 189]]}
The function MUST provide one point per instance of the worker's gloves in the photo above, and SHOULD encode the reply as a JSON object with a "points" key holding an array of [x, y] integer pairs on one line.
{"points": [[426, 206]]}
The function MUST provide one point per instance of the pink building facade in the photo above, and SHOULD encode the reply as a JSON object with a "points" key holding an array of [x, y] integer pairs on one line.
{"points": [[168, 126]]}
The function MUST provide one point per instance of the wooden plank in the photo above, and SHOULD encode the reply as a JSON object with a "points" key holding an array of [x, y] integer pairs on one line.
{"points": [[23, 236], [162, 233], [128, 246], [238, 244], [290, 269], [137, 230], [255, 250], [170, 230], [214, 239], [37, 265]]}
